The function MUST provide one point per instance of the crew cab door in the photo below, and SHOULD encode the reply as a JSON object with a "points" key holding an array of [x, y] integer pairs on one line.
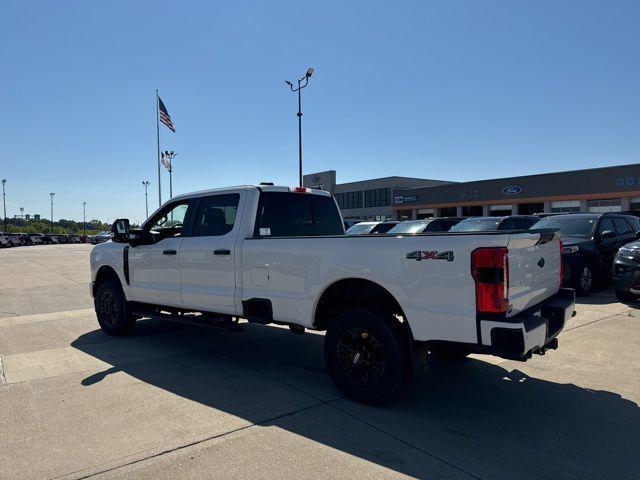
{"points": [[208, 254], [154, 270]]}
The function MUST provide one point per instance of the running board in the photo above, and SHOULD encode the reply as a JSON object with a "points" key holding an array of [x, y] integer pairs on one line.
{"points": [[225, 323]]}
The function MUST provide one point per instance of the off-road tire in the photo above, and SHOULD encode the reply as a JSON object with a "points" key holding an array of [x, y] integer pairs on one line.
{"points": [[112, 309], [367, 356]]}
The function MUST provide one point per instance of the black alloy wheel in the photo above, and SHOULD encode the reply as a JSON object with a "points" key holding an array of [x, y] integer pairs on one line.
{"points": [[112, 309], [367, 355]]}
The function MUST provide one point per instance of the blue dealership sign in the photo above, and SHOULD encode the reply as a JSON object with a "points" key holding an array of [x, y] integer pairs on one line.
{"points": [[511, 190]]}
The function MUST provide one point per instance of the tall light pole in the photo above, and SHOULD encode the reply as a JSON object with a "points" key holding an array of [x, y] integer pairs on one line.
{"points": [[167, 161], [4, 203], [84, 221], [146, 184], [302, 82], [51, 195]]}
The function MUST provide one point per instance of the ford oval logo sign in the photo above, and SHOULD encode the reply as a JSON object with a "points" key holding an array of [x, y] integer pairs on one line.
{"points": [[315, 179], [512, 190]]}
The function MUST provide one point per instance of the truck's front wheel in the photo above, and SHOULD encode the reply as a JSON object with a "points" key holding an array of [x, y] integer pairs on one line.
{"points": [[111, 309], [366, 356]]}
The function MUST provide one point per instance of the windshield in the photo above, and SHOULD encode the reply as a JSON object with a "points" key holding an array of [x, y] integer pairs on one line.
{"points": [[409, 227], [361, 229], [476, 225], [569, 226]]}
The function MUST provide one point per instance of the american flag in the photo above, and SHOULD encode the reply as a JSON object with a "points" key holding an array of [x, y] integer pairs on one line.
{"points": [[164, 116]]}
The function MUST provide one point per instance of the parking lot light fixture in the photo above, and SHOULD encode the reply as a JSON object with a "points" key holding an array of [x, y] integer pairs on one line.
{"points": [[302, 82], [146, 184], [51, 195], [84, 221], [4, 204]]}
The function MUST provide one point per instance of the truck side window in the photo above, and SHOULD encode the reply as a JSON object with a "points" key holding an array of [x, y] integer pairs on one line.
{"points": [[216, 215], [284, 214], [168, 223]]}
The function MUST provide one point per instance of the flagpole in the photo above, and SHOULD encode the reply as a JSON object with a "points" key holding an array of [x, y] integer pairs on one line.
{"points": [[158, 143]]}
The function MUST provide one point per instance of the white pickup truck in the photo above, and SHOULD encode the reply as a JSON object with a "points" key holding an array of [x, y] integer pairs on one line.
{"points": [[279, 255]]}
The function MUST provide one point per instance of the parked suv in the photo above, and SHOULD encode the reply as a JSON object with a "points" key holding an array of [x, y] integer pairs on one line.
{"points": [[440, 224], [485, 224], [590, 242]]}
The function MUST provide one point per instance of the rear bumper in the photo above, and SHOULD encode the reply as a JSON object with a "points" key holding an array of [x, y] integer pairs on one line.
{"points": [[532, 331]]}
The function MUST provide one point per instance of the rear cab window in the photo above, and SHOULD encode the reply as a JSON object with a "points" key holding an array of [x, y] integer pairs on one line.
{"points": [[292, 214]]}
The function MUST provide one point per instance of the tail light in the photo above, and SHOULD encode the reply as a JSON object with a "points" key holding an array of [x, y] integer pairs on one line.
{"points": [[490, 269], [561, 262], [299, 189]]}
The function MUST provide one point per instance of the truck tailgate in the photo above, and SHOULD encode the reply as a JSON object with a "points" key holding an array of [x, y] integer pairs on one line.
{"points": [[534, 268]]}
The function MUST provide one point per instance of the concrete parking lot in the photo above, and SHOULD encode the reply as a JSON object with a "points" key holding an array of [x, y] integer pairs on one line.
{"points": [[185, 401]]}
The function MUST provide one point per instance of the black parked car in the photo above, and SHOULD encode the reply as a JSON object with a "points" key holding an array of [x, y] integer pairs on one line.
{"points": [[439, 224], [485, 224], [590, 242], [626, 272]]}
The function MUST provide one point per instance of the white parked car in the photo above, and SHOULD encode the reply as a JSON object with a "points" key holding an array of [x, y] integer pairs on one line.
{"points": [[279, 255]]}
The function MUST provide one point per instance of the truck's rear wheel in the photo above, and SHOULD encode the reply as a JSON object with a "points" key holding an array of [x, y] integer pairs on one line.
{"points": [[111, 309], [366, 356]]}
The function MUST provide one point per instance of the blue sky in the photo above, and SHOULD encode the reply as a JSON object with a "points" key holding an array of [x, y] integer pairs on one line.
{"points": [[457, 90]]}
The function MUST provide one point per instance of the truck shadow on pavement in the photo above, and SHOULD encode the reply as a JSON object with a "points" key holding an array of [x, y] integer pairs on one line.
{"points": [[471, 418]]}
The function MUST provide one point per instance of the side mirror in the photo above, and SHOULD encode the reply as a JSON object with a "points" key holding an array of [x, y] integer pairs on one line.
{"points": [[120, 230], [607, 234]]}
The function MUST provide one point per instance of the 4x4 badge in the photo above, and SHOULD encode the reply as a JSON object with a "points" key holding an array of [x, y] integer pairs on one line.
{"points": [[420, 255]]}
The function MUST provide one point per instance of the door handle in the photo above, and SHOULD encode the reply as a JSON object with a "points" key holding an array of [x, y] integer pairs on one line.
{"points": [[222, 251], [169, 252]]}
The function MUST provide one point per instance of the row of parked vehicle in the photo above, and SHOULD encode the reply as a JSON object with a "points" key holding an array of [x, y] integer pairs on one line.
{"points": [[597, 247], [8, 240]]}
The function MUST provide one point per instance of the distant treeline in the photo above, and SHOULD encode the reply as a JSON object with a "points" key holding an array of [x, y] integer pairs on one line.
{"points": [[61, 226]]}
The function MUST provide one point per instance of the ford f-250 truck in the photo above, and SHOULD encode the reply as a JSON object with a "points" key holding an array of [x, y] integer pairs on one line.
{"points": [[271, 254]]}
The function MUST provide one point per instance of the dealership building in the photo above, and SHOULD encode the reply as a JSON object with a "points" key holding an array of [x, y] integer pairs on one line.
{"points": [[607, 189], [366, 199]]}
